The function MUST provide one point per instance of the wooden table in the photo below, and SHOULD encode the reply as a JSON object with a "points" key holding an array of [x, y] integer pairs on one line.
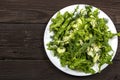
{"points": [[22, 25]]}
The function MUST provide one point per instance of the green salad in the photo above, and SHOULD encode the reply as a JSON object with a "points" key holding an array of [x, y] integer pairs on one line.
{"points": [[80, 39]]}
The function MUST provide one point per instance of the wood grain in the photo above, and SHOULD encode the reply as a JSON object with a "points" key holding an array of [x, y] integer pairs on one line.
{"points": [[44, 70], [22, 41], [38, 11]]}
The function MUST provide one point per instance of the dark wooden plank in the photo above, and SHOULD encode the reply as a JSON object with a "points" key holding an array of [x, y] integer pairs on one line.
{"points": [[44, 70], [25, 41], [22, 41], [117, 19], [38, 11]]}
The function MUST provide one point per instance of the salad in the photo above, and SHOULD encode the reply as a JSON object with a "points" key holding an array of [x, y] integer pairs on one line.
{"points": [[80, 39]]}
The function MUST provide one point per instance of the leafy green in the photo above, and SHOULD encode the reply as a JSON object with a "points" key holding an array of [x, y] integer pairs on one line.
{"points": [[80, 39]]}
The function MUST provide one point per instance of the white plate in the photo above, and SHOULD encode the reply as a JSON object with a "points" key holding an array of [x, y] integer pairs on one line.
{"points": [[113, 42]]}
